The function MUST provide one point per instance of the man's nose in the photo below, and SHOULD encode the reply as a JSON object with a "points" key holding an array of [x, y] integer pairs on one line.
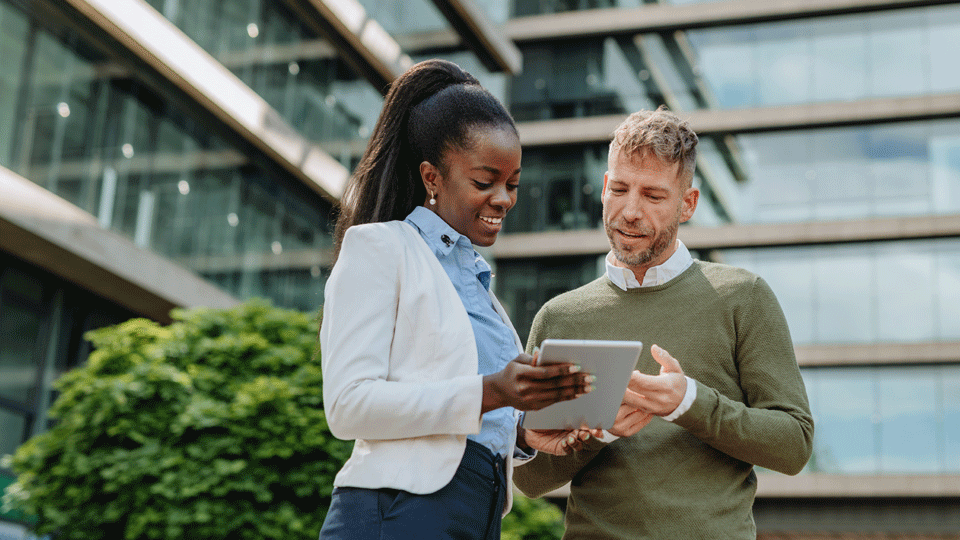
{"points": [[633, 209]]}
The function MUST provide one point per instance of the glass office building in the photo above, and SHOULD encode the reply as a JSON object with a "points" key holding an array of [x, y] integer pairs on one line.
{"points": [[163, 153]]}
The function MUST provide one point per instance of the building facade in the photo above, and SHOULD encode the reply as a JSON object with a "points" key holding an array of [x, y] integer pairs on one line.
{"points": [[165, 153]]}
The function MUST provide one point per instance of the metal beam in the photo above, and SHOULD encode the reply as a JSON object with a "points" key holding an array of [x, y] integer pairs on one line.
{"points": [[486, 40], [361, 41], [663, 18], [723, 122], [163, 55], [49, 232], [594, 241]]}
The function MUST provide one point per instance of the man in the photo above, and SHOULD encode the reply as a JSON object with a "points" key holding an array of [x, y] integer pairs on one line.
{"points": [[696, 420]]}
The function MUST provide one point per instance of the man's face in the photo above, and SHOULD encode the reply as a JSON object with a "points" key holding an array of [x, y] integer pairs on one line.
{"points": [[643, 206]]}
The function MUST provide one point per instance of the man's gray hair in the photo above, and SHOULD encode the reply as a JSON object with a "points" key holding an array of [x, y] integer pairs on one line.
{"points": [[661, 133]]}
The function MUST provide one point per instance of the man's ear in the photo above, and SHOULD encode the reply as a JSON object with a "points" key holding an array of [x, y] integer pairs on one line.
{"points": [[604, 190], [689, 204]]}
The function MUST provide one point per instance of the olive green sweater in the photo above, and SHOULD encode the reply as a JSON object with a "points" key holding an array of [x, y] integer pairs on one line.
{"points": [[692, 478]]}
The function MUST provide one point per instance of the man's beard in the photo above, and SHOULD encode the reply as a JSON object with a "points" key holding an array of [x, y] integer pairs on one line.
{"points": [[661, 242]]}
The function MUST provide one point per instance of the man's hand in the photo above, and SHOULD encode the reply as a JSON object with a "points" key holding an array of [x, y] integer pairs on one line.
{"points": [[657, 394], [629, 420]]}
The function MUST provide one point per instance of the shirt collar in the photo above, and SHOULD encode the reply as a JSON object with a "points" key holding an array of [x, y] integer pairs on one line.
{"points": [[443, 239], [655, 275], [440, 236]]}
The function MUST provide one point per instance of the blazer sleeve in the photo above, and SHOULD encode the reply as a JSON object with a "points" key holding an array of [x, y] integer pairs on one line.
{"points": [[356, 337]]}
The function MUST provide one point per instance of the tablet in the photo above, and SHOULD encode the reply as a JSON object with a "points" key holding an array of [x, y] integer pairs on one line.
{"points": [[610, 361]]}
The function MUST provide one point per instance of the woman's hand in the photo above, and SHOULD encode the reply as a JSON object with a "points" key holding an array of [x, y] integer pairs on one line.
{"points": [[526, 386], [558, 442]]}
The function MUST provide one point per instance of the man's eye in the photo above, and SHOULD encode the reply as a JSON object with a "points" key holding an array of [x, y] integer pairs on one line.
{"points": [[483, 185], [513, 187]]}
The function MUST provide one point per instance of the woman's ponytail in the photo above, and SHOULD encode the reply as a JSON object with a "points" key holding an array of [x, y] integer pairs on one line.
{"points": [[382, 187]]}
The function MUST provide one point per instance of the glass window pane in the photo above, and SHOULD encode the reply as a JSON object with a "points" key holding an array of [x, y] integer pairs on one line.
{"points": [[20, 323], [842, 402], [948, 291], [908, 420], [12, 426], [903, 316], [951, 420], [844, 296]]}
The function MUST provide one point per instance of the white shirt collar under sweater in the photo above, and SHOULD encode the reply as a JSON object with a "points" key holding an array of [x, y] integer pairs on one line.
{"points": [[656, 275]]}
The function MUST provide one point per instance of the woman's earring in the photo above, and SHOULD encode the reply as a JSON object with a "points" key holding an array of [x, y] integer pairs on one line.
{"points": [[433, 198]]}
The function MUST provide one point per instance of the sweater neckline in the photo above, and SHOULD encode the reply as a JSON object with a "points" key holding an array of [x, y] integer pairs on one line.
{"points": [[653, 288]]}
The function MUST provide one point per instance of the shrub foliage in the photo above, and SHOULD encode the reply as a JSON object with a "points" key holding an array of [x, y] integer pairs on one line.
{"points": [[209, 428]]}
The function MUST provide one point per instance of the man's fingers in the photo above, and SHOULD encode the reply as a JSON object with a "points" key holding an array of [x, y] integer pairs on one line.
{"points": [[668, 364], [635, 400]]}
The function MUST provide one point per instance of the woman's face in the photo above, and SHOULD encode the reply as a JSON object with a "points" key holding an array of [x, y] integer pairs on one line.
{"points": [[479, 186]]}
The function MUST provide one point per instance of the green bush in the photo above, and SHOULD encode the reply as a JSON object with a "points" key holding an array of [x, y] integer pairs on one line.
{"points": [[532, 519], [211, 427]]}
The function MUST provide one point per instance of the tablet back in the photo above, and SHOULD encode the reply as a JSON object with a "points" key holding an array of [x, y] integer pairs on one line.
{"points": [[610, 361]]}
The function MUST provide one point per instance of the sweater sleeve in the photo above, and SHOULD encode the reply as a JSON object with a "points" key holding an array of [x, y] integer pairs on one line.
{"points": [[546, 472], [773, 427], [359, 317]]}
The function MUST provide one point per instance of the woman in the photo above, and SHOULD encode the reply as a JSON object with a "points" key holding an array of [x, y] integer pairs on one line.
{"points": [[422, 367]]}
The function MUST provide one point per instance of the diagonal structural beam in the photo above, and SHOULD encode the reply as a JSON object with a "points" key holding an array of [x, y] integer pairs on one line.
{"points": [[166, 58], [360, 40], [487, 41]]}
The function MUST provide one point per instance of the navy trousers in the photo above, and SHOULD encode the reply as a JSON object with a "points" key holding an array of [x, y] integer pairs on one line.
{"points": [[468, 508]]}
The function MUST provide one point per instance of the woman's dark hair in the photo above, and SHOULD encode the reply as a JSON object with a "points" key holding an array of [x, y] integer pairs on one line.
{"points": [[432, 107]]}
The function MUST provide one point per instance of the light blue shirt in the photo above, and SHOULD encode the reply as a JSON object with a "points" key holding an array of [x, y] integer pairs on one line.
{"points": [[496, 347]]}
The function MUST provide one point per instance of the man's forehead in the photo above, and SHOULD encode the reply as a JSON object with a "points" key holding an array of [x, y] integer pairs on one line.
{"points": [[645, 161]]}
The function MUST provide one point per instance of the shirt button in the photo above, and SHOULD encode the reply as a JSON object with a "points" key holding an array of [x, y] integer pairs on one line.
{"points": [[446, 240]]}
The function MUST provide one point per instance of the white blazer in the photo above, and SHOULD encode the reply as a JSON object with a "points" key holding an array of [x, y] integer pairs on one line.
{"points": [[399, 362]]}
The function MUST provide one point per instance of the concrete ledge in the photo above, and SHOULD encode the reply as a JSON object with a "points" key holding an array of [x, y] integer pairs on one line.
{"points": [[599, 129], [594, 241], [665, 18], [47, 231], [774, 485], [661, 18], [871, 354]]}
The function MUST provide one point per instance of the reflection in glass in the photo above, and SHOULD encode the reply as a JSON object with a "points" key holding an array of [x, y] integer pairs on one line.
{"points": [[524, 285], [887, 292], [886, 54], [842, 403], [885, 420], [12, 429], [21, 312], [908, 424], [905, 169], [89, 133]]}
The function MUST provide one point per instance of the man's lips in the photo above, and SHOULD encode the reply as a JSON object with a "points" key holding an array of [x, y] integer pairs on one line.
{"points": [[491, 220], [631, 234]]}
